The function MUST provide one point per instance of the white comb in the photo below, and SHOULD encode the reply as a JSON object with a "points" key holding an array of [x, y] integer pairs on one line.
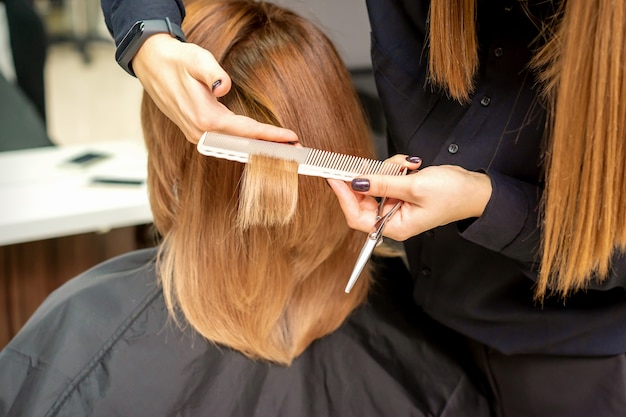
{"points": [[312, 162]]}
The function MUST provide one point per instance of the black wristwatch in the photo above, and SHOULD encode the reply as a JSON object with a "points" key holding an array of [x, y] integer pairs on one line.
{"points": [[138, 34]]}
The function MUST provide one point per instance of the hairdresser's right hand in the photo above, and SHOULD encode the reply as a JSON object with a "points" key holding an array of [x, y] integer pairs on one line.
{"points": [[432, 197], [179, 77]]}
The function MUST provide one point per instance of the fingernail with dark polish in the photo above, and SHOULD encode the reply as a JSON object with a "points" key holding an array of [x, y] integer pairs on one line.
{"points": [[216, 84], [360, 184], [414, 159]]}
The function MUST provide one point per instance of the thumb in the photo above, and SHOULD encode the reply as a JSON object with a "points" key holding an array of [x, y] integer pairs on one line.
{"points": [[204, 67], [384, 186]]}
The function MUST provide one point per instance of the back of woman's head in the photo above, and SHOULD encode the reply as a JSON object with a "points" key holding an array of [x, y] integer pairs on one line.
{"points": [[270, 286]]}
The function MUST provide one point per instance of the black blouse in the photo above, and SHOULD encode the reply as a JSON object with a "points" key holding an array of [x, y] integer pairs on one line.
{"points": [[120, 15]]}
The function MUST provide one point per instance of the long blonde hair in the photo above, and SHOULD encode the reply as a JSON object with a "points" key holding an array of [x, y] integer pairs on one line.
{"points": [[582, 67], [263, 287]]}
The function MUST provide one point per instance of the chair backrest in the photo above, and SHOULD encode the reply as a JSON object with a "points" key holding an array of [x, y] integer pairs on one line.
{"points": [[29, 45], [21, 126]]}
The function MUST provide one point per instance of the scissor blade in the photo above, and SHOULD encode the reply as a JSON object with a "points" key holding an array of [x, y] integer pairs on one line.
{"points": [[361, 261]]}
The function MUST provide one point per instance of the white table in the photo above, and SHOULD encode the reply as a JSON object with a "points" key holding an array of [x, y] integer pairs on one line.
{"points": [[42, 197]]}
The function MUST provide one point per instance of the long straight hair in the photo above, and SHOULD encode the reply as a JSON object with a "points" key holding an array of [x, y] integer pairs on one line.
{"points": [[267, 277], [582, 67]]}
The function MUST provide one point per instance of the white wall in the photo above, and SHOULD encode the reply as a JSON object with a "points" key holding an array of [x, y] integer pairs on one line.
{"points": [[344, 21]]}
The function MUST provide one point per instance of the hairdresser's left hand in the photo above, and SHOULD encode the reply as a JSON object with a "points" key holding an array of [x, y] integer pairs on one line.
{"points": [[433, 196], [185, 80]]}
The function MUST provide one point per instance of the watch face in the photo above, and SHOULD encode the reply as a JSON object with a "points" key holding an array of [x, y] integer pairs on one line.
{"points": [[132, 34]]}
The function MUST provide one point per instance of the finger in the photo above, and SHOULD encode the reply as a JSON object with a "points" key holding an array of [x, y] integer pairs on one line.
{"points": [[204, 67], [410, 162], [218, 118], [221, 84], [398, 187], [239, 125]]}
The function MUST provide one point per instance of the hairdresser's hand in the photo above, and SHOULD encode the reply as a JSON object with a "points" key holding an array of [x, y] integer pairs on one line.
{"points": [[433, 196], [184, 80]]}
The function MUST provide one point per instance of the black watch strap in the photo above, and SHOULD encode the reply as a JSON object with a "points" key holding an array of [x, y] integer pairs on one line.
{"points": [[138, 34]]}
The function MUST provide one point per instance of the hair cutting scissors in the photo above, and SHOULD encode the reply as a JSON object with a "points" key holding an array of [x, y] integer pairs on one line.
{"points": [[374, 239]]}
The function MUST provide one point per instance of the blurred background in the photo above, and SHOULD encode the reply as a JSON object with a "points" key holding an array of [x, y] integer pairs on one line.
{"points": [[89, 98]]}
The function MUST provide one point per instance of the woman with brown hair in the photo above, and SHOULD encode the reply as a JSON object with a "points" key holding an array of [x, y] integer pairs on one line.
{"points": [[241, 309], [515, 226]]}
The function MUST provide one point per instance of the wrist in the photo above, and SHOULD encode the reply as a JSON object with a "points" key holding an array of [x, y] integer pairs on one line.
{"points": [[155, 48], [482, 190], [140, 33]]}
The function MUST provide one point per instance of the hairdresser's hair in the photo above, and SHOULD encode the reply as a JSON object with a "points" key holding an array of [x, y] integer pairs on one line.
{"points": [[269, 280], [581, 65]]}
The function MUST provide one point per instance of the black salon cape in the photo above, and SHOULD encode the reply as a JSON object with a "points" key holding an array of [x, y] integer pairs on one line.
{"points": [[102, 345]]}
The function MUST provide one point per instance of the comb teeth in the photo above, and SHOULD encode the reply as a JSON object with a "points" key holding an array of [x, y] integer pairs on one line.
{"points": [[314, 162], [349, 165]]}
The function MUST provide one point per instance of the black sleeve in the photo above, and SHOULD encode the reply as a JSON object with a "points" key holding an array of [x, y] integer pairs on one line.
{"points": [[510, 222], [120, 15]]}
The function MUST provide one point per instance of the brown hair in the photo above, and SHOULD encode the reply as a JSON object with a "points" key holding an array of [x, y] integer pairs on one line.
{"points": [[262, 287], [582, 67], [453, 54]]}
